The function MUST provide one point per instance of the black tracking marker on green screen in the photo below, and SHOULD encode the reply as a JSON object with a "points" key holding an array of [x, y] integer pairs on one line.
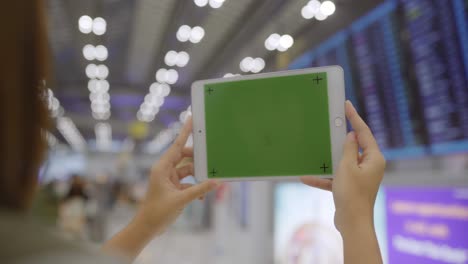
{"points": [[277, 126]]}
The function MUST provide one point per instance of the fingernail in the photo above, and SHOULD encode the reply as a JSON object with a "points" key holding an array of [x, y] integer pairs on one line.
{"points": [[351, 136]]}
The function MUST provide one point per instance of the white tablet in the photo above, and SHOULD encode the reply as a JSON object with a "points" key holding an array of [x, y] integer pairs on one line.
{"points": [[279, 125]]}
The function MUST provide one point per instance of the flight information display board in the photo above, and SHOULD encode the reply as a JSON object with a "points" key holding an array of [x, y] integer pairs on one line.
{"points": [[406, 70]]}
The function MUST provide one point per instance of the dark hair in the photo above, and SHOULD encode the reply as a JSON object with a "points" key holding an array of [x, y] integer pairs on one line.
{"points": [[23, 115]]}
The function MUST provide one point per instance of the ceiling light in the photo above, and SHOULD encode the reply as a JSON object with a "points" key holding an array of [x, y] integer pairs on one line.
{"points": [[327, 8], [172, 76], [91, 71], [165, 89], [286, 41], [146, 107], [99, 26], [102, 86], [307, 12], [278, 42], [246, 64], [99, 98], [101, 116], [272, 42], [314, 5], [102, 129], [98, 86], [100, 104], [154, 100], [100, 101], [216, 3], [167, 76], [100, 52], [282, 48], [275, 39], [160, 89], [100, 107], [85, 24], [171, 58], [184, 32], [147, 112], [144, 117], [149, 118], [320, 16], [100, 110], [201, 3], [257, 65], [92, 84], [140, 116], [156, 89], [182, 59], [161, 75], [71, 134], [102, 71], [89, 52], [196, 35], [250, 64]]}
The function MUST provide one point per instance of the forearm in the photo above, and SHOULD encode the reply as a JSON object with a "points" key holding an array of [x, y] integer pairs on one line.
{"points": [[360, 242], [129, 242]]}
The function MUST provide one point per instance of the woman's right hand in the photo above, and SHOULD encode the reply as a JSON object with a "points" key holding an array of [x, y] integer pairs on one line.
{"points": [[355, 188], [358, 177]]}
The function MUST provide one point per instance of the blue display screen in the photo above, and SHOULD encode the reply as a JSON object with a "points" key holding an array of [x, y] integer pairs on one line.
{"points": [[406, 70]]}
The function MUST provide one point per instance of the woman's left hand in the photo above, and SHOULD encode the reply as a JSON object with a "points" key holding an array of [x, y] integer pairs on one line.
{"points": [[167, 196]]}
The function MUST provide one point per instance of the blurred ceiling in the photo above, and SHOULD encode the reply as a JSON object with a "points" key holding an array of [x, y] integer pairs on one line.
{"points": [[139, 34]]}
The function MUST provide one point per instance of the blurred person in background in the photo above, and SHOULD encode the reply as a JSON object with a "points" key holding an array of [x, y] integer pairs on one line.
{"points": [[24, 120], [72, 210]]}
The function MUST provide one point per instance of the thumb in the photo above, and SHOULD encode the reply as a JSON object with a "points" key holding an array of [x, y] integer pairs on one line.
{"points": [[351, 149], [199, 190]]}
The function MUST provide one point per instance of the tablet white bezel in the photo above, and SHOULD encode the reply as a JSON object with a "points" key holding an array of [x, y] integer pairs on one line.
{"points": [[336, 99]]}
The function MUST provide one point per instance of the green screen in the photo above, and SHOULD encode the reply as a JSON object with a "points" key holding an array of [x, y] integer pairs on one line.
{"points": [[277, 126]]}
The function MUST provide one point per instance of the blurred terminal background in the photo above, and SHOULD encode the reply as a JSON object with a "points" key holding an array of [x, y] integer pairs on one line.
{"points": [[122, 71]]}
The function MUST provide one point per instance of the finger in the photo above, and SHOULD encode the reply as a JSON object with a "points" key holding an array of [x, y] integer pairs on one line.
{"points": [[185, 171], [184, 186], [176, 151], [324, 184], [184, 162], [187, 152], [185, 132], [364, 135], [196, 191], [351, 149]]}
